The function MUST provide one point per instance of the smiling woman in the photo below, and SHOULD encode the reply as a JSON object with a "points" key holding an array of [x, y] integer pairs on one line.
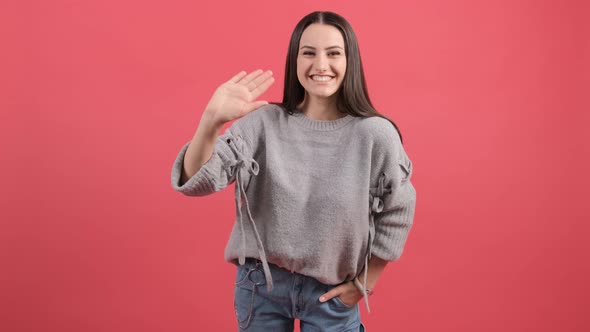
{"points": [[322, 184]]}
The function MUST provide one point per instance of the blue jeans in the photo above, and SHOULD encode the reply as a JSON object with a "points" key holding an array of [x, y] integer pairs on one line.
{"points": [[294, 296]]}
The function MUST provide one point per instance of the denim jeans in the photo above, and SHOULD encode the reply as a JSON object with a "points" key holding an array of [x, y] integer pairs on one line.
{"points": [[294, 296]]}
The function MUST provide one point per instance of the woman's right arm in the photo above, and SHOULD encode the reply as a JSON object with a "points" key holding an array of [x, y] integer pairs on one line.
{"points": [[201, 147], [232, 100]]}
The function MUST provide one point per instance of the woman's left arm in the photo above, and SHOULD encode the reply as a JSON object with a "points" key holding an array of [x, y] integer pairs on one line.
{"points": [[393, 215], [348, 292]]}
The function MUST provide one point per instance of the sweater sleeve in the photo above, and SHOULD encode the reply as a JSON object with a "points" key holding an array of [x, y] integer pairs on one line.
{"points": [[231, 153], [393, 197]]}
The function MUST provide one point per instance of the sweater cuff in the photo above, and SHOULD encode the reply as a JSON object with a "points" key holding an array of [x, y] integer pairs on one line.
{"points": [[211, 177]]}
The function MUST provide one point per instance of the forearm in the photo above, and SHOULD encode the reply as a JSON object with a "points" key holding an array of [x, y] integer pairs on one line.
{"points": [[376, 268], [350, 292], [201, 147]]}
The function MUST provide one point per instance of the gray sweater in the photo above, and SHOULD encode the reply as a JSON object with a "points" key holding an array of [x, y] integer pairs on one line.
{"points": [[314, 197]]}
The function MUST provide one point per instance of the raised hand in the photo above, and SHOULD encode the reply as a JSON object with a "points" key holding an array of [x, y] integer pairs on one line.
{"points": [[237, 97]]}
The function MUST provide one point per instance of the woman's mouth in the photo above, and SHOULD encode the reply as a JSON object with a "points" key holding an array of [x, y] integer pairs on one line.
{"points": [[321, 78]]}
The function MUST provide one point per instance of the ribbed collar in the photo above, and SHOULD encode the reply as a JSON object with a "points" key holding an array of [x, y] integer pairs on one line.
{"points": [[322, 125]]}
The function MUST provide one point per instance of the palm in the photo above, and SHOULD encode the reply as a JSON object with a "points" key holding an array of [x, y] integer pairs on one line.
{"points": [[237, 97]]}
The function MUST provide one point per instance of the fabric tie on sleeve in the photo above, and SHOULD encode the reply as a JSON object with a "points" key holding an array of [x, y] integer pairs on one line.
{"points": [[237, 166], [376, 206]]}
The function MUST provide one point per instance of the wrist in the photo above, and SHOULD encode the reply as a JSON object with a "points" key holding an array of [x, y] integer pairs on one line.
{"points": [[361, 288], [209, 119]]}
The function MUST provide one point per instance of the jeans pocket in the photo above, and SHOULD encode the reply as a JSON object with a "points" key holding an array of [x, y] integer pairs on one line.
{"points": [[242, 274], [341, 303], [244, 305], [250, 277], [336, 303]]}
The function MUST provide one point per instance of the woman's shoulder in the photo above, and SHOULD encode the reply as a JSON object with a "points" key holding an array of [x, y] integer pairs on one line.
{"points": [[258, 117], [379, 129], [268, 112]]}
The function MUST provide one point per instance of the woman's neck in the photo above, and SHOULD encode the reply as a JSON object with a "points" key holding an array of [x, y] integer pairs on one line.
{"points": [[320, 108]]}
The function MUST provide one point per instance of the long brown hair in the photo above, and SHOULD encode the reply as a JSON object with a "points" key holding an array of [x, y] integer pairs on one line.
{"points": [[352, 97]]}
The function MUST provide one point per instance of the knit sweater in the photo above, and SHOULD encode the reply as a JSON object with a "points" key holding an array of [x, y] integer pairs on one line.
{"points": [[316, 197]]}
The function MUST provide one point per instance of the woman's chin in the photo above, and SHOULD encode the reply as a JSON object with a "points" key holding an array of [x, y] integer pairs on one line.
{"points": [[325, 94]]}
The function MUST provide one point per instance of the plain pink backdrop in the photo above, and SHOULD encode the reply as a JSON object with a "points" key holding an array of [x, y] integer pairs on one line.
{"points": [[99, 96]]}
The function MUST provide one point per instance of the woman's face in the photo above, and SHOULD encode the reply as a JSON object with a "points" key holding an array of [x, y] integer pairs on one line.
{"points": [[321, 61]]}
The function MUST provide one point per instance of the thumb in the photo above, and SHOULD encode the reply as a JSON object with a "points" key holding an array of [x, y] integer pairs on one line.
{"points": [[329, 295]]}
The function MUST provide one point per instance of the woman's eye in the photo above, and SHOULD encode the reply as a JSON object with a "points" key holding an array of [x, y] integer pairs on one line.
{"points": [[334, 53], [308, 53]]}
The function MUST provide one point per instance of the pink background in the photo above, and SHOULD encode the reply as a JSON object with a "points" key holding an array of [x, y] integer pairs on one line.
{"points": [[99, 96]]}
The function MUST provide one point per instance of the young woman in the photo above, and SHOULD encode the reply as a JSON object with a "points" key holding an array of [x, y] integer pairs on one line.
{"points": [[322, 184]]}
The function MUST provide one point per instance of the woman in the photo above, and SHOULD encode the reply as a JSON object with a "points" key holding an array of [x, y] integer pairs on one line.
{"points": [[322, 184]]}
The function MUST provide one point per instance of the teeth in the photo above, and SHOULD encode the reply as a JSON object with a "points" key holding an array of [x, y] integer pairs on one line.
{"points": [[321, 78]]}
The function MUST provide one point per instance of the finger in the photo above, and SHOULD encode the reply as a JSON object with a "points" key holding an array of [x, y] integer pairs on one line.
{"points": [[259, 79], [255, 105], [262, 87], [248, 78], [237, 77], [331, 294]]}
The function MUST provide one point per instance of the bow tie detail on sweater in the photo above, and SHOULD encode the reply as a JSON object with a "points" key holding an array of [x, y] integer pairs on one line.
{"points": [[237, 167]]}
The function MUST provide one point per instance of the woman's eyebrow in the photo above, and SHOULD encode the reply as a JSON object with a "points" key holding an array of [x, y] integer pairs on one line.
{"points": [[327, 48]]}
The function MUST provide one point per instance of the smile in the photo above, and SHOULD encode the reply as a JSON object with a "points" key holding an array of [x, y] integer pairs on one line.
{"points": [[321, 78]]}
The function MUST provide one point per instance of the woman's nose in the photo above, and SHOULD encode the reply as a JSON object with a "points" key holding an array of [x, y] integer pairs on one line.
{"points": [[321, 63]]}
